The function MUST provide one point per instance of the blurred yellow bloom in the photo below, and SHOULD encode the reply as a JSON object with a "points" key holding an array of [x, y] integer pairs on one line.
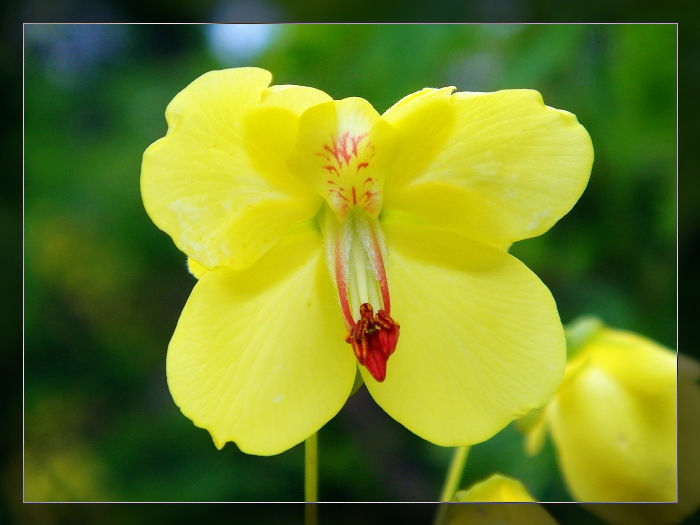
{"points": [[688, 461], [497, 488], [613, 425], [326, 235]]}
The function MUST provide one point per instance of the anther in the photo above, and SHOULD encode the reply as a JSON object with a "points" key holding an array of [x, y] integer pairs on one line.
{"points": [[373, 340]]}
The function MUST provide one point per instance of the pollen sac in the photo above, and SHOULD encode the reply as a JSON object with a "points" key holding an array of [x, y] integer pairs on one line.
{"points": [[373, 340]]}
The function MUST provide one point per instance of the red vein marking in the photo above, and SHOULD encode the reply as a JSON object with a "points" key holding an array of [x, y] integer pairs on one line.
{"points": [[369, 179], [332, 169], [354, 196], [366, 196], [356, 141], [334, 152], [340, 194], [344, 150], [341, 279], [362, 165]]}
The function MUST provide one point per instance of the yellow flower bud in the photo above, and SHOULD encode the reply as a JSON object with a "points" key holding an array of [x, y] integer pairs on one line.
{"points": [[688, 461], [497, 489], [613, 425]]}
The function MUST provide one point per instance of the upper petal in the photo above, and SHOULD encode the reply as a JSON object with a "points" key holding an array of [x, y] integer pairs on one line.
{"points": [[343, 150], [258, 355], [496, 167], [216, 183], [481, 341]]}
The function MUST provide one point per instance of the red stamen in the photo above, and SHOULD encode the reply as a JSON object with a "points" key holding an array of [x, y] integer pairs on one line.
{"points": [[378, 264], [373, 340]]}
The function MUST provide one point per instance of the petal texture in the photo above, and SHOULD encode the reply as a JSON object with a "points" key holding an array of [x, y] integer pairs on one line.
{"points": [[481, 341], [216, 183], [258, 355], [496, 167]]}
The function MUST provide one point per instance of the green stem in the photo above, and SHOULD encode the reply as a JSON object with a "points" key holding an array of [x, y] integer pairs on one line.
{"points": [[311, 480], [310, 513], [454, 476]]}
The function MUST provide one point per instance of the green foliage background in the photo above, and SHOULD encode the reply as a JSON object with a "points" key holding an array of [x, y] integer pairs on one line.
{"points": [[104, 287]]}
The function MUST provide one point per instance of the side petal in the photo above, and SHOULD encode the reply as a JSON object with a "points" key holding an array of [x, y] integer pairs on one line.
{"points": [[500, 168], [205, 184], [258, 356], [481, 341]]}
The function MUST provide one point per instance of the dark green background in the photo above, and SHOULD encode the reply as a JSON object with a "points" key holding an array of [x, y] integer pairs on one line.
{"points": [[104, 287]]}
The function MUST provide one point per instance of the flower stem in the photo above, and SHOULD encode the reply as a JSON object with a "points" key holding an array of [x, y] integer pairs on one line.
{"points": [[454, 476], [311, 480], [310, 513]]}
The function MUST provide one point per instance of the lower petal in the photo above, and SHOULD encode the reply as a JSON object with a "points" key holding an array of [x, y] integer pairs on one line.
{"points": [[481, 340], [258, 355]]}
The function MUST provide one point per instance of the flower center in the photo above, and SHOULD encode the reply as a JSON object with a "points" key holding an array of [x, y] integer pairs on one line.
{"points": [[343, 150], [354, 250]]}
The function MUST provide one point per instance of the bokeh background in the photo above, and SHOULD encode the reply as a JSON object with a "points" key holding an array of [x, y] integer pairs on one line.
{"points": [[104, 287]]}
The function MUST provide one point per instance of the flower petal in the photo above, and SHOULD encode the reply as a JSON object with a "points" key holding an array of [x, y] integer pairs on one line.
{"points": [[212, 183], [613, 421], [496, 167], [481, 341], [258, 356]]}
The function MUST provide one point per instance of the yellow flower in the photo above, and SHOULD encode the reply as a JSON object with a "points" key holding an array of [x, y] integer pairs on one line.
{"points": [[497, 489], [325, 235], [688, 461], [613, 425]]}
